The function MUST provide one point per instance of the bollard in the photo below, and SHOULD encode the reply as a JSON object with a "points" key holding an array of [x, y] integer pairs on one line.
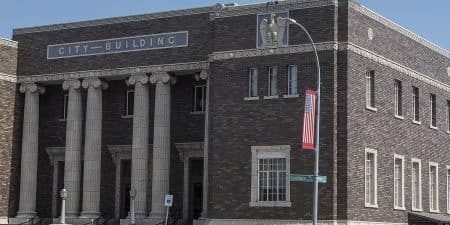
{"points": [[63, 205], [132, 197]]}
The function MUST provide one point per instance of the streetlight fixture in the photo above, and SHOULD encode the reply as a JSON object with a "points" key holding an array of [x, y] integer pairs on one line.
{"points": [[317, 136]]}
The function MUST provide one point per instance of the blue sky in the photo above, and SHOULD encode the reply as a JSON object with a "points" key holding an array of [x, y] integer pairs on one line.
{"points": [[430, 19]]}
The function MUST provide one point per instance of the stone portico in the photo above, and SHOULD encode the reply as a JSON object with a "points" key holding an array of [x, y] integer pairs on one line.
{"points": [[82, 156]]}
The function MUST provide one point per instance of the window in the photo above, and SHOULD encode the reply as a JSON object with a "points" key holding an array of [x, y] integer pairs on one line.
{"points": [[448, 189], [434, 195], [398, 101], [370, 90], [273, 72], [65, 106], [371, 178], [199, 103], [448, 116], [416, 185], [130, 103], [399, 184], [270, 176], [415, 104], [433, 111], [253, 83], [292, 80]]}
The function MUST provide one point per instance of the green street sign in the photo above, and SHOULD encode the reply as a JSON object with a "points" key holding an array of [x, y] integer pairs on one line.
{"points": [[308, 178]]}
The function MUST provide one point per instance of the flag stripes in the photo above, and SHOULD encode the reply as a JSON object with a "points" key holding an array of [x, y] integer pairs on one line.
{"points": [[309, 120]]}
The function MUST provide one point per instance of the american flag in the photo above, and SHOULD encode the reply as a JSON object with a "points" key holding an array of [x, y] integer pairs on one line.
{"points": [[309, 120]]}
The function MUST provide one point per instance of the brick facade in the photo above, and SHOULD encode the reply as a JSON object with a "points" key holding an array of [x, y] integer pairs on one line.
{"points": [[9, 135], [236, 124]]}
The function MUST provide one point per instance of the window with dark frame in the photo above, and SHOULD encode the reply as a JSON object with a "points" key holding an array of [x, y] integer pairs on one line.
{"points": [[272, 179], [65, 106], [433, 174], [415, 104], [199, 101], [448, 115], [433, 110], [398, 101], [130, 103], [416, 186], [253, 83], [273, 74], [292, 80], [370, 89]]}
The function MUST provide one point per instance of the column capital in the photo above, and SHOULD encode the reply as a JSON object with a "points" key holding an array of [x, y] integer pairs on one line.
{"points": [[94, 83], [137, 78], [202, 75], [72, 83], [162, 77], [31, 88]]}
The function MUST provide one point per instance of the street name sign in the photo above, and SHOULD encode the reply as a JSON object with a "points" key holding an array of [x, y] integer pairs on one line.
{"points": [[307, 178]]}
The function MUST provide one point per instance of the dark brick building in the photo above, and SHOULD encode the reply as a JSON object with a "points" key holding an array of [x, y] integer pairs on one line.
{"points": [[207, 104]]}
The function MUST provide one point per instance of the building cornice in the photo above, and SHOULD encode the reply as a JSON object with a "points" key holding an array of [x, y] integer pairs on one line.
{"points": [[115, 20], [396, 27], [7, 42], [190, 66], [226, 55], [8, 77], [235, 54], [264, 7], [394, 65]]}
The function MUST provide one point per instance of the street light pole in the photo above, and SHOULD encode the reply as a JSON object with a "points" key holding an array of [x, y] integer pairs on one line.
{"points": [[317, 136]]}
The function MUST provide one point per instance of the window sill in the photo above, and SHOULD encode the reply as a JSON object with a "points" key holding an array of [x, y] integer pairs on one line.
{"points": [[270, 204], [434, 211], [290, 96], [417, 122], [271, 97], [251, 98], [433, 127], [448, 132], [371, 206], [127, 117], [399, 117], [62, 120], [399, 208], [416, 210], [371, 109], [198, 113]]}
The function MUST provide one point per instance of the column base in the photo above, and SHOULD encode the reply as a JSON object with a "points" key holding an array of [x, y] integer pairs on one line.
{"points": [[90, 215], [140, 215], [73, 215], [157, 216], [26, 215]]}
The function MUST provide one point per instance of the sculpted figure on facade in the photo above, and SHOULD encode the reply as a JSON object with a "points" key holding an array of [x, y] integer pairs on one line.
{"points": [[272, 30]]}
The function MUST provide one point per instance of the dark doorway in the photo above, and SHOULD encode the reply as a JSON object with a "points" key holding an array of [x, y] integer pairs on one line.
{"points": [[60, 186], [195, 189], [125, 184]]}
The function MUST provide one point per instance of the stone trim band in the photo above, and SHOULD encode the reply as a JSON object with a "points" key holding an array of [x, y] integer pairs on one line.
{"points": [[114, 20], [393, 65], [201, 65], [7, 42], [292, 222], [396, 27], [8, 77]]}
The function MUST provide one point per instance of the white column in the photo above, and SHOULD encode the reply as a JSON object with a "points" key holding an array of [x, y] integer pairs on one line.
{"points": [[204, 75], [29, 161], [92, 148], [161, 142], [139, 154], [72, 156]]}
